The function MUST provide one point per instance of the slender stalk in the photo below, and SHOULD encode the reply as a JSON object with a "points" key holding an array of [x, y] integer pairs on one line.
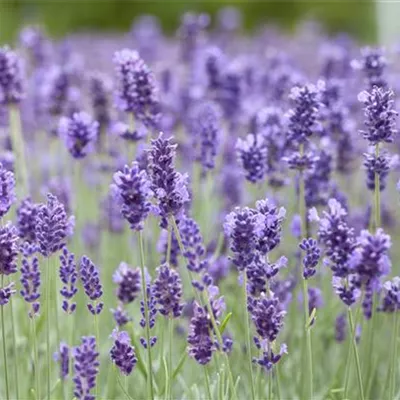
{"points": [[169, 244], [170, 334], [96, 330], [392, 384], [278, 381], [35, 358], [207, 380], [3, 334], [356, 356], [248, 339], [270, 394], [14, 344], [146, 316], [48, 328], [19, 151]]}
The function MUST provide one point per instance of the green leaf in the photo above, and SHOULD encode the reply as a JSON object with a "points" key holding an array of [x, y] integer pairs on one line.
{"points": [[180, 365], [225, 323]]}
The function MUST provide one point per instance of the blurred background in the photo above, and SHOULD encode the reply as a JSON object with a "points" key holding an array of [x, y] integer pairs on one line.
{"points": [[60, 17]]}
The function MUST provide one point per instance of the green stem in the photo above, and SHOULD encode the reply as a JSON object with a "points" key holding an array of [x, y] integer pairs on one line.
{"points": [[19, 151], [392, 384], [35, 358], [146, 316], [248, 339], [3, 333], [14, 344], [270, 394], [48, 328], [355, 351], [278, 382], [96, 329], [170, 334], [207, 380], [169, 244]]}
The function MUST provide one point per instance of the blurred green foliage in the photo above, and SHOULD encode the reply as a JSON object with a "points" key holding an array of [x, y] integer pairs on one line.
{"points": [[63, 16]]}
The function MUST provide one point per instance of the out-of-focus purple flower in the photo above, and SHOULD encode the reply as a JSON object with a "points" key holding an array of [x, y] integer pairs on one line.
{"points": [[7, 190], [268, 358], [201, 345], [205, 123], [34, 40], [230, 92], [147, 35], [370, 258], [128, 281], [391, 298], [244, 227], [302, 162], [347, 290], [61, 188], [252, 156], [341, 328], [62, 356], [192, 241], [132, 189], [26, 220], [90, 278], [122, 353], [168, 185], [231, 186], [213, 63], [86, 368], [136, 87], [54, 90], [79, 133], [30, 281], [122, 130], [311, 258], [8, 249], [378, 165], [295, 226], [229, 19], [100, 88], [267, 315], [6, 292], [380, 116], [69, 276], [167, 290], [121, 317], [272, 230], [303, 117], [51, 226], [219, 268], [373, 64], [336, 236], [111, 214], [11, 87]]}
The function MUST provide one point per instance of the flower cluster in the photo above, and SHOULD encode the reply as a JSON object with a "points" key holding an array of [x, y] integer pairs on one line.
{"points": [[90, 278], [68, 276], [128, 281], [11, 88], [123, 353]]}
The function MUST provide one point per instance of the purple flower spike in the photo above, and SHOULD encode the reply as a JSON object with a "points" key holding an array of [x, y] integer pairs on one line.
{"points": [[136, 87], [269, 358], [11, 90], [8, 250], [7, 190], [69, 277], [380, 115], [62, 357], [79, 133], [311, 258], [121, 317], [391, 298], [51, 226], [132, 190], [123, 353], [341, 328], [90, 278], [100, 88], [26, 220], [168, 185], [167, 289], [30, 281], [252, 156], [6, 293], [373, 65], [128, 281], [86, 367]]}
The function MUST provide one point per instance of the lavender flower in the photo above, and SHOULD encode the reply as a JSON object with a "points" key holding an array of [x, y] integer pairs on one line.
{"points": [[380, 116], [200, 344], [90, 278], [391, 298], [341, 328], [8, 249], [252, 156], [373, 65], [79, 133], [123, 353], [86, 367], [128, 281], [167, 290], [152, 311], [136, 91], [69, 276], [168, 185], [51, 226], [268, 358], [311, 258], [348, 291], [7, 190], [100, 87], [244, 227], [132, 190], [6, 292], [26, 220], [55, 89], [377, 165], [63, 357], [11, 89], [30, 281], [121, 317]]}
